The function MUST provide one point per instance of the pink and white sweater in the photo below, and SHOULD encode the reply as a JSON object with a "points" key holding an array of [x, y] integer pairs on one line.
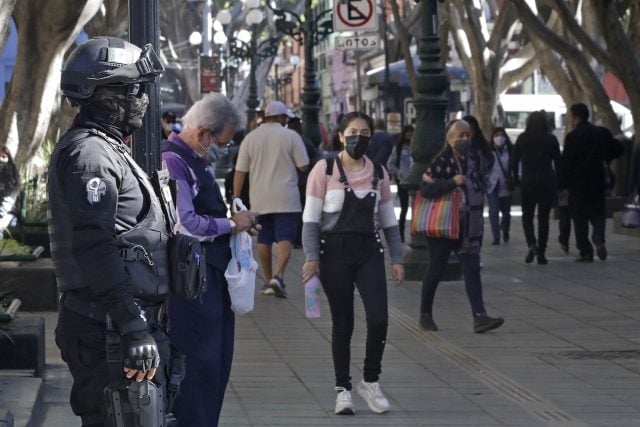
{"points": [[325, 197]]}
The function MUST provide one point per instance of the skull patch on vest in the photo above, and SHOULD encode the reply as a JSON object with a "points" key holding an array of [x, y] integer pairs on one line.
{"points": [[95, 190]]}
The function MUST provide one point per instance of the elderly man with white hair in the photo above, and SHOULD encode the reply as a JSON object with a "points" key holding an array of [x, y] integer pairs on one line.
{"points": [[203, 330]]}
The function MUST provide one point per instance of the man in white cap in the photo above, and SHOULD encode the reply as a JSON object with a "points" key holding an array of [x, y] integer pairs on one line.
{"points": [[271, 154]]}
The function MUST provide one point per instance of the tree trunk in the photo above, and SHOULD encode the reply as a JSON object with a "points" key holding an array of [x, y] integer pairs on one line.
{"points": [[585, 77], [46, 28], [6, 9]]}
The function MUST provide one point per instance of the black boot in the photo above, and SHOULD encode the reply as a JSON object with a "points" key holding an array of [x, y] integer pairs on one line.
{"points": [[542, 260], [483, 323], [533, 251], [427, 323]]}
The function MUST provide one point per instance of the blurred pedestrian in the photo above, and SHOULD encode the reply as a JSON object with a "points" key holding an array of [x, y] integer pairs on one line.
{"points": [[272, 155], [500, 186], [203, 329], [399, 165], [588, 149], [348, 202], [168, 122], [480, 144], [457, 166], [537, 155], [381, 143]]}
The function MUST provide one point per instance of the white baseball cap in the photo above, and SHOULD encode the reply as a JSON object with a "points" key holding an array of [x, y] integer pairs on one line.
{"points": [[277, 108]]}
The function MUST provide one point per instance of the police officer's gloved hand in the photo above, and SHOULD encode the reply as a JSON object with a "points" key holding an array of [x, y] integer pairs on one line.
{"points": [[139, 351]]}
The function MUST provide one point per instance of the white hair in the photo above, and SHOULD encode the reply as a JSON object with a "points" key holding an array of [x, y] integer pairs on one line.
{"points": [[212, 112]]}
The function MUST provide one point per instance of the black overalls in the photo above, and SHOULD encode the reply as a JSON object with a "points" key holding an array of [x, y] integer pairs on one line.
{"points": [[351, 254]]}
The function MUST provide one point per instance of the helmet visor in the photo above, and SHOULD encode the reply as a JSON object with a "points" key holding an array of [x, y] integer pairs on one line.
{"points": [[145, 69]]}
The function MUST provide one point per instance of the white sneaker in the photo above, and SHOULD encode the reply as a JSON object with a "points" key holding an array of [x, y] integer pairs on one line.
{"points": [[344, 405], [266, 290], [372, 394]]}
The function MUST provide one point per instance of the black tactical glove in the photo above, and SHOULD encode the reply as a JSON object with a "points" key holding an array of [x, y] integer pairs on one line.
{"points": [[139, 351]]}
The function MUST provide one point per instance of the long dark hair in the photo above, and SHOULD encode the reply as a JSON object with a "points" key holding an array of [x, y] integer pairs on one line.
{"points": [[478, 140], [537, 123], [400, 142]]}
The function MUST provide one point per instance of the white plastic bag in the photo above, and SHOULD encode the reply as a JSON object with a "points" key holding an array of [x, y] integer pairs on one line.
{"points": [[241, 272]]}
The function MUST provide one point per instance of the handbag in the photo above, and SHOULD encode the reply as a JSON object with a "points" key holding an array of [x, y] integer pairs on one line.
{"points": [[438, 216], [630, 216], [242, 269]]}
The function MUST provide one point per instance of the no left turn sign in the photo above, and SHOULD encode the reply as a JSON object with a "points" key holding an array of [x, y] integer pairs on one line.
{"points": [[355, 15]]}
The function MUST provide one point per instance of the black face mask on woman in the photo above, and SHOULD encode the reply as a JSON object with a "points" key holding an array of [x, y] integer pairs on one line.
{"points": [[356, 145]]}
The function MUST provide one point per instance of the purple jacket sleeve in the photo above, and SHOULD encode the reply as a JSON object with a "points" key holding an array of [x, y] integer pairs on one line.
{"points": [[187, 189]]}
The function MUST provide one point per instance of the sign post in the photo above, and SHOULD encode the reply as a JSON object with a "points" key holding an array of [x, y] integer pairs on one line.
{"points": [[355, 15]]}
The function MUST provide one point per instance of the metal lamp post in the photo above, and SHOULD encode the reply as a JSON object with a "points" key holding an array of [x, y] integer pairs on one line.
{"points": [[430, 103], [254, 17], [309, 31]]}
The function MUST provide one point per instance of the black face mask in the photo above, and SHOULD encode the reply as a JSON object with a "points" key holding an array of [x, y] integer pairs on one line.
{"points": [[357, 145], [119, 109]]}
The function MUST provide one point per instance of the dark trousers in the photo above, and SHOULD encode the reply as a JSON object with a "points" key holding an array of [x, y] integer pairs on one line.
{"points": [[564, 225], [82, 344], [581, 218], [204, 333], [541, 196], [403, 198], [347, 262], [499, 206], [439, 251]]}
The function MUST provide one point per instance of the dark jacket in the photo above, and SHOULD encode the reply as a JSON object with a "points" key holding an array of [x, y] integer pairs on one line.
{"points": [[536, 160], [586, 151]]}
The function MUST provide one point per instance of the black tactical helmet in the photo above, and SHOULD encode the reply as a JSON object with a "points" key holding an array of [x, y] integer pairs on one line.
{"points": [[107, 61]]}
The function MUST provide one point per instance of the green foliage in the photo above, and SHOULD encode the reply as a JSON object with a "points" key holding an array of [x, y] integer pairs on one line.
{"points": [[12, 247]]}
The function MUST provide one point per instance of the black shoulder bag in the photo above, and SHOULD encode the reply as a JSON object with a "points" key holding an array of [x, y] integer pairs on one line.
{"points": [[186, 253]]}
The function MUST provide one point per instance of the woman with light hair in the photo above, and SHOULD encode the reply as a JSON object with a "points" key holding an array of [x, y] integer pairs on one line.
{"points": [[457, 166]]}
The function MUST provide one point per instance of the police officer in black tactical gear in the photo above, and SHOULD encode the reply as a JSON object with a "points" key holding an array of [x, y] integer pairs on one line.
{"points": [[108, 233]]}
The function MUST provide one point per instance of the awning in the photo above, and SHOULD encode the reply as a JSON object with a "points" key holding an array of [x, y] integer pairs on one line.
{"points": [[398, 73]]}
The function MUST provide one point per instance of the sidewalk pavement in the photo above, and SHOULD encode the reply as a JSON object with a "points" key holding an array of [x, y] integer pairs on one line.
{"points": [[567, 355]]}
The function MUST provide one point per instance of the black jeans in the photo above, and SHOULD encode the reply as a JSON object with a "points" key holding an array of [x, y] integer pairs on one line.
{"points": [[347, 261], [542, 196], [564, 225], [581, 218], [439, 251]]}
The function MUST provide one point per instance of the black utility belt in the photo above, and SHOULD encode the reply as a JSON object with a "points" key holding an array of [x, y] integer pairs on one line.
{"points": [[96, 311]]}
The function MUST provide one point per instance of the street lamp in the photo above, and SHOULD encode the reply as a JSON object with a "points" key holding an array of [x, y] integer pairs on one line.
{"points": [[309, 31], [253, 18], [430, 103], [276, 63]]}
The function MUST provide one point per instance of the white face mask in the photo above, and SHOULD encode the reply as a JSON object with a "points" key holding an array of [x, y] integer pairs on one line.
{"points": [[168, 127], [499, 140]]}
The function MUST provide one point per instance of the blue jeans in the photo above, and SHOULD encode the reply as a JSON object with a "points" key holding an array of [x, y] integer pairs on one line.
{"points": [[499, 205]]}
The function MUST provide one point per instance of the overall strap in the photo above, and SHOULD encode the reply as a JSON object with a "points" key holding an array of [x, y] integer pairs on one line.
{"points": [[343, 175]]}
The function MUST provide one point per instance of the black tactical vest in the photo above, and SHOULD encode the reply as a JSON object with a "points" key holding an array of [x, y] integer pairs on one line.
{"points": [[143, 248]]}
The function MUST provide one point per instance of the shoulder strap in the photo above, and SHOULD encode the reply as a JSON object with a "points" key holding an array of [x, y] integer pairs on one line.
{"points": [[378, 175], [330, 166], [343, 175], [504, 173]]}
